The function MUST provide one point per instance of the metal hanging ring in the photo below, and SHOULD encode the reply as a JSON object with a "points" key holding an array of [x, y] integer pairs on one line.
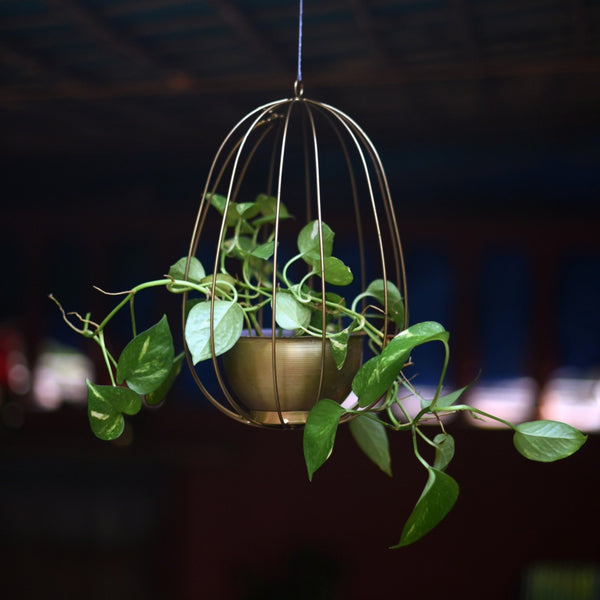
{"points": [[298, 88]]}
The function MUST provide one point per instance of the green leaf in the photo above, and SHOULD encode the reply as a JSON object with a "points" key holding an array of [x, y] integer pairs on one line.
{"points": [[547, 441], [395, 303], [289, 313], [146, 361], [336, 272], [219, 202], [316, 320], [319, 433], [372, 439], [444, 450], [436, 501], [448, 399], [195, 273], [190, 304], [339, 347], [336, 299], [376, 375], [106, 405], [228, 323], [158, 395], [308, 242], [420, 333], [225, 283], [238, 247], [330, 311], [264, 251], [247, 210], [268, 209]]}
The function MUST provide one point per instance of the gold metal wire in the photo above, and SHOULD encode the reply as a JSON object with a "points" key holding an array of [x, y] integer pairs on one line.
{"points": [[275, 119]]}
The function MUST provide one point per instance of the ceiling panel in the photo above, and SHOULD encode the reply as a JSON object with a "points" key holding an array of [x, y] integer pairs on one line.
{"points": [[127, 71]]}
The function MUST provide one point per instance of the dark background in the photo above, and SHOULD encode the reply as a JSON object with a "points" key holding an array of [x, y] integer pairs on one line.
{"points": [[486, 116]]}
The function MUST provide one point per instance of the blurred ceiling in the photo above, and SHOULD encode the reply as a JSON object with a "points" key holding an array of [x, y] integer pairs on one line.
{"points": [[111, 76]]}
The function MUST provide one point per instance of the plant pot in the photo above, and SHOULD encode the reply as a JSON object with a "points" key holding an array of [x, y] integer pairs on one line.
{"points": [[249, 371]]}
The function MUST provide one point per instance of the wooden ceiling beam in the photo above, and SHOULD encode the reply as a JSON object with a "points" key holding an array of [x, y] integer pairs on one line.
{"points": [[366, 25], [95, 25], [135, 7], [18, 23], [462, 20], [580, 27], [242, 24], [20, 61], [39, 70], [210, 86]]}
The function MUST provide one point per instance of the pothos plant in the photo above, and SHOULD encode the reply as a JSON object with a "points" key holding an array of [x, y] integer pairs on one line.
{"points": [[147, 366]]}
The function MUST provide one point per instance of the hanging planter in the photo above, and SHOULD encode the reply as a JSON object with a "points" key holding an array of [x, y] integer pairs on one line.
{"points": [[297, 333], [287, 348], [296, 371], [311, 349]]}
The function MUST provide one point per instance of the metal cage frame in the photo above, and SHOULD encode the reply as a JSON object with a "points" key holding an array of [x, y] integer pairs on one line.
{"points": [[235, 154]]}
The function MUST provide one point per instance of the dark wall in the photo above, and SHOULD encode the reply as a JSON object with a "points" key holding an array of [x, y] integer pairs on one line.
{"points": [[502, 246], [200, 506]]}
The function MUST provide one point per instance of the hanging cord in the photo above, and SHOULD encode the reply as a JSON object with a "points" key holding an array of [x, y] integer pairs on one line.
{"points": [[298, 87]]}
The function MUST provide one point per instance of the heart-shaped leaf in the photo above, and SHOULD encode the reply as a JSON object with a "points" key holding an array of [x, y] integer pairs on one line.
{"points": [[395, 307], [421, 333], [248, 210], [289, 313], [375, 377], [238, 246], [195, 273], [225, 283], [444, 450], [147, 360], [158, 395], [264, 251], [339, 347], [436, 501], [547, 441], [372, 439], [316, 320], [336, 272], [268, 210], [309, 245], [106, 406], [228, 322], [319, 433], [220, 202], [448, 399]]}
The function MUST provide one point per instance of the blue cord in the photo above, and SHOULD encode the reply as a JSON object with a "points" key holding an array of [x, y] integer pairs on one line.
{"points": [[299, 76]]}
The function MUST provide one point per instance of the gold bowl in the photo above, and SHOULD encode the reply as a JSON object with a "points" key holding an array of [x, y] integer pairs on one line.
{"points": [[249, 371]]}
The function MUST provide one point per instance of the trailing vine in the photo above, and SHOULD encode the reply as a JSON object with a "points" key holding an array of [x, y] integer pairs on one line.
{"points": [[221, 307]]}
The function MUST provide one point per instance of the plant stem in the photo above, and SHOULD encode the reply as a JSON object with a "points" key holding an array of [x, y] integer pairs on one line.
{"points": [[424, 437], [415, 430], [442, 376], [404, 411], [107, 358], [392, 417], [471, 409], [132, 312]]}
